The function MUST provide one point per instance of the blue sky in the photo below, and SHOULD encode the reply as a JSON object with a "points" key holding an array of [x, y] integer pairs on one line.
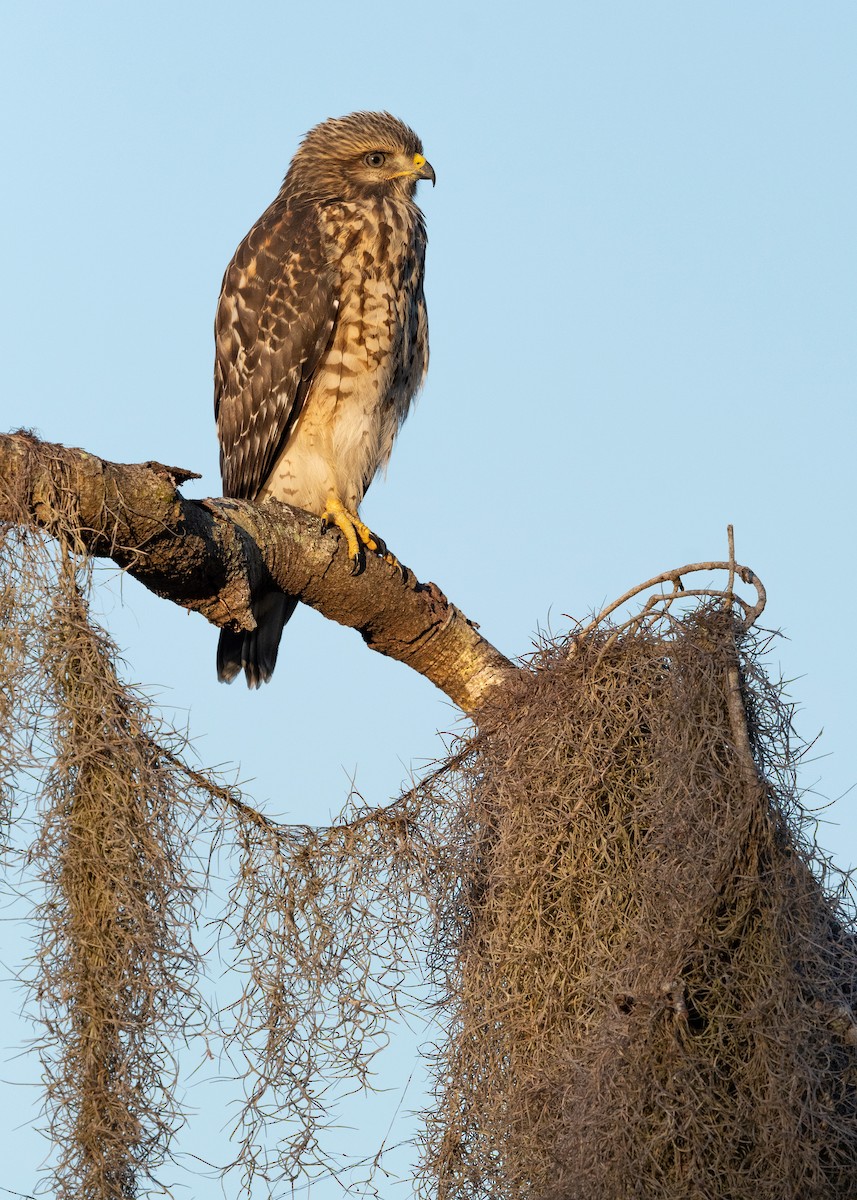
{"points": [[641, 289]]}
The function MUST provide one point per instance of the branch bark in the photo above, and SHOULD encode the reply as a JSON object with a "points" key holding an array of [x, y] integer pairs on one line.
{"points": [[212, 556]]}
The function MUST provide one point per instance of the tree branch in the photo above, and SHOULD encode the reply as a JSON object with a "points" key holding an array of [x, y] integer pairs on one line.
{"points": [[213, 556]]}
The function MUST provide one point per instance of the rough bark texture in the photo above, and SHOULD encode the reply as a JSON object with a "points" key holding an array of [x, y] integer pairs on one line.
{"points": [[211, 556]]}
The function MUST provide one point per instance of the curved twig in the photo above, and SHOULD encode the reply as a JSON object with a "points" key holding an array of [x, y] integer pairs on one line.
{"points": [[657, 607]]}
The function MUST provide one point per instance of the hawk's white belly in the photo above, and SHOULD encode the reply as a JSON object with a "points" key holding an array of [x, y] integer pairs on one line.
{"points": [[344, 433]]}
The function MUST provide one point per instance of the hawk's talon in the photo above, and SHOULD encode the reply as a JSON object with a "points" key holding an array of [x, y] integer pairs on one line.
{"points": [[358, 537]]}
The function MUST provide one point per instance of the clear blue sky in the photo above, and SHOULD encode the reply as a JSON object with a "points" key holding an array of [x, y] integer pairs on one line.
{"points": [[641, 289]]}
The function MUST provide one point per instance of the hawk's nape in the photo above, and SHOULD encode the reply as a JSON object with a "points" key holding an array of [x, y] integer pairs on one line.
{"points": [[321, 343]]}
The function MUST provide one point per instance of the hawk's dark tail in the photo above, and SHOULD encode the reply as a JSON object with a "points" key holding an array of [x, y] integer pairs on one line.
{"points": [[255, 651]]}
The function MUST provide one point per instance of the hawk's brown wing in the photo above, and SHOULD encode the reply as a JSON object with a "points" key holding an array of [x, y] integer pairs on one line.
{"points": [[275, 318]]}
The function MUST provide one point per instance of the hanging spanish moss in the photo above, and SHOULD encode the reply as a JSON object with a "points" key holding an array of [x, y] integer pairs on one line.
{"points": [[649, 970], [644, 969]]}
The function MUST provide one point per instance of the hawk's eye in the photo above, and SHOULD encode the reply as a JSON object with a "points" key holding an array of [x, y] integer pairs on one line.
{"points": [[375, 158]]}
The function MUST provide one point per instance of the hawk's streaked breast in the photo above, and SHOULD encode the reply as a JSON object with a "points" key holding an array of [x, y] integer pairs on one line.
{"points": [[365, 380]]}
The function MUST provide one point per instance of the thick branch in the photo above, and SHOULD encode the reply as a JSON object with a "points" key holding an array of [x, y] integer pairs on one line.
{"points": [[212, 556]]}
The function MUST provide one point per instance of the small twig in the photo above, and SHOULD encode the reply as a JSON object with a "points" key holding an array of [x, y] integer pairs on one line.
{"points": [[730, 587]]}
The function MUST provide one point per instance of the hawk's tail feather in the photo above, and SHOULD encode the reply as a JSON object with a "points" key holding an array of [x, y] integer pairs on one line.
{"points": [[255, 650]]}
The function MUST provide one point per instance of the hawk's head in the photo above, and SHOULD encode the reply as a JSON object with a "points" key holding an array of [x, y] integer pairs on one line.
{"points": [[360, 155]]}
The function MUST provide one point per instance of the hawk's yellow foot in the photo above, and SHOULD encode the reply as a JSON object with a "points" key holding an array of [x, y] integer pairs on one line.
{"points": [[358, 537]]}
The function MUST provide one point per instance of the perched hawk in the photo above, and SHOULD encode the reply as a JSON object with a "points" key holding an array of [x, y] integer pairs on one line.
{"points": [[321, 342]]}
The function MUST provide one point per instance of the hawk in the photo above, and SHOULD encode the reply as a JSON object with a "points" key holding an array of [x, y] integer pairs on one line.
{"points": [[321, 343]]}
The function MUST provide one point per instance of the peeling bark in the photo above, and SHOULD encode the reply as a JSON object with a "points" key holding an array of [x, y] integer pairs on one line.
{"points": [[212, 556]]}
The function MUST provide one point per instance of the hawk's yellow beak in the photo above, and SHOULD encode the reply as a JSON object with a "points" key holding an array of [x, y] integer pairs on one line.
{"points": [[423, 169]]}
